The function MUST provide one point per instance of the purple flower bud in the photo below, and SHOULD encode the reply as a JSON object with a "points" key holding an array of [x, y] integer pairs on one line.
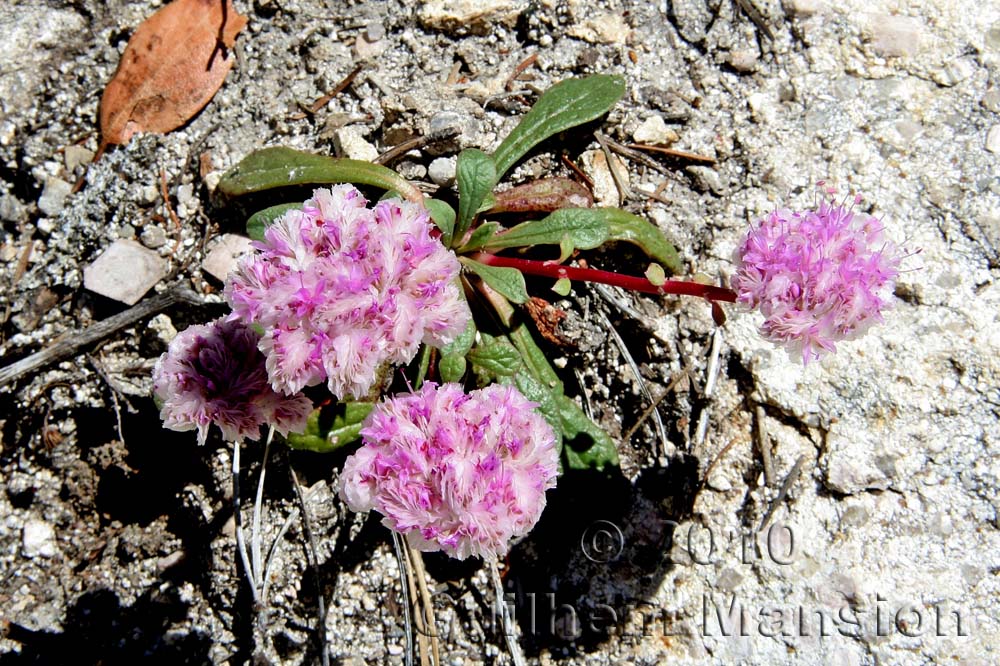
{"points": [[454, 472], [214, 373], [341, 289], [817, 276]]}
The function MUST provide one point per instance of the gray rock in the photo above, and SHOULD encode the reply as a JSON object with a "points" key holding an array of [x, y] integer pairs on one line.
{"points": [[442, 171], [125, 272], [654, 130], [54, 196], [349, 143], [993, 139], [893, 35], [153, 237], [12, 210], [224, 256], [38, 539], [75, 156], [470, 16]]}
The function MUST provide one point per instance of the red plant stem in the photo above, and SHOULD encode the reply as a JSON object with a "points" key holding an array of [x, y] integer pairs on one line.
{"points": [[556, 271]]}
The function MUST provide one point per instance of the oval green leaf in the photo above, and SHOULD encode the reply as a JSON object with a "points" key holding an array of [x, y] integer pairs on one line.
{"points": [[506, 281], [275, 167], [566, 104]]}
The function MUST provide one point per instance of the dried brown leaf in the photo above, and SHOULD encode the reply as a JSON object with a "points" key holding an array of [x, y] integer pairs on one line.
{"points": [[171, 68]]}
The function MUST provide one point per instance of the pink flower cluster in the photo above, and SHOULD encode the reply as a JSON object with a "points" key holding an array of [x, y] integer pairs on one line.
{"points": [[214, 373], [818, 276], [462, 473], [340, 289]]}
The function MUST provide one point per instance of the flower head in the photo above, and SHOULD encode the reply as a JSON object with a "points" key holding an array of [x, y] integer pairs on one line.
{"points": [[818, 276], [462, 473], [341, 289], [214, 373]]}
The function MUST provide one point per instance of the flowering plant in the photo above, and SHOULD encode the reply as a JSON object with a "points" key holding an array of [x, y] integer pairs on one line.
{"points": [[339, 292]]}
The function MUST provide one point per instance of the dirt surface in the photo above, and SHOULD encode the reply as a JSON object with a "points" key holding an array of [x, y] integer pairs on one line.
{"points": [[868, 481]]}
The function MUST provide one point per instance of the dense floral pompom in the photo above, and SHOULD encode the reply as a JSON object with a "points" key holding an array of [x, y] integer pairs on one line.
{"points": [[341, 289], [214, 373], [462, 473], [818, 276]]}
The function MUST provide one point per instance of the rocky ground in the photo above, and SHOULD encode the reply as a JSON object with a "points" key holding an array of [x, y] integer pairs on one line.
{"points": [[841, 513]]}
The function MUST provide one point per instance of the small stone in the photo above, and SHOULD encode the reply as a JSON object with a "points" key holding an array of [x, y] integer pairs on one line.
{"points": [[954, 72], [744, 60], [442, 171], [654, 131], [991, 100], [75, 156], [148, 194], [38, 539], [993, 139], [606, 28], [153, 237], [125, 272], [707, 179], [470, 16], [605, 189], [895, 35], [224, 256], [349, 143], [12, 210], [54, 196], [803, 7], [366, 49], [763, 109], [374, 31], [163, 327]]}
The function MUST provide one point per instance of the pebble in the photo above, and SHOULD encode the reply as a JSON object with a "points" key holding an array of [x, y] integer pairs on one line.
{"points": [[225, 254], [954, 72], [163, 327], [125, 272], [895, 35], [442, 171], [993, 139], [990, 101], [654, 131], [38, 539], [605, 190], [75, 156], [12, 210], [470, 16], [54, 195], [744, 60], [153, 237], [707, 179], [606, 28], [349, 143]]}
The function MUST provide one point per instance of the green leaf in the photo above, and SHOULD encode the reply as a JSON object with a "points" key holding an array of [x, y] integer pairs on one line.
{"points": [[562, 286], [566, 104], [452, 367], [506, 281], [480, 236], [655, 275], [476, 175], [281, 167], [463, 343], [585, 444], [497, 357], [534, 358], [542, 195], [332, 426], [584, 228], [633, 229], [262, 219], [443, 216]]}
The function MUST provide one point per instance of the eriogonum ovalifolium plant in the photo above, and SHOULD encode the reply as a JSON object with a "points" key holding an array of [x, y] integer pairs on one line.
{"points": [[338, 292]]}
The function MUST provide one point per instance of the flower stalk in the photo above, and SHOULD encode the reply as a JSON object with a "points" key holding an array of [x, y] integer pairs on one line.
{"points": [[557, 271]]}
